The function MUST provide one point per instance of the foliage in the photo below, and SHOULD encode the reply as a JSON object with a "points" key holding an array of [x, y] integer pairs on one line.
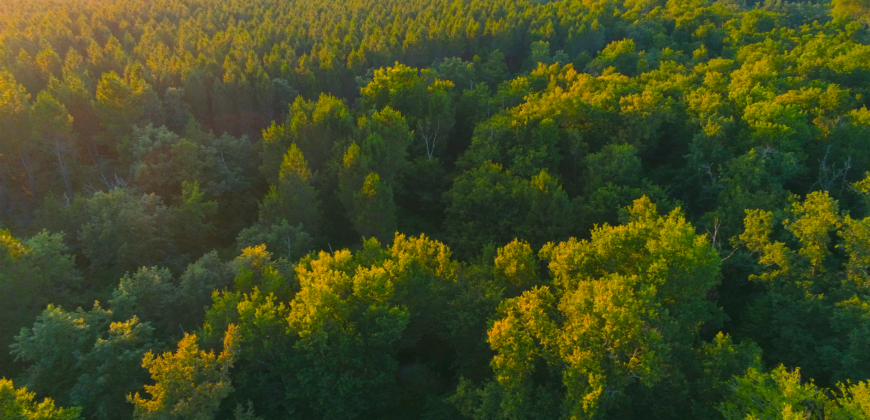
{"points": [[552, 197], [190, 383], [84, 358], [18, 404]]}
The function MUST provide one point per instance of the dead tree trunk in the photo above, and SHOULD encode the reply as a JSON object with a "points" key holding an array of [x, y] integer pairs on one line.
{"points": [[429, 136]]}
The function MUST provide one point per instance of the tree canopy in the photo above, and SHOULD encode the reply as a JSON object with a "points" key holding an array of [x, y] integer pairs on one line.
{"points": [[446, 209]]}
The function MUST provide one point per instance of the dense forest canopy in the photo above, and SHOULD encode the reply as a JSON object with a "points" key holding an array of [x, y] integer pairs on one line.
{"points": [[465, 209]]}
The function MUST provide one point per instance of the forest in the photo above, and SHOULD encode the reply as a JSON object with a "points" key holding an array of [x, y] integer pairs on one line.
{"points": [[434, 210]]}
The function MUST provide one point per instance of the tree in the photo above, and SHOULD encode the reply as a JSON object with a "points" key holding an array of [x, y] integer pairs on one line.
{"points": [[780, 394], [615, 163], [811, 294], [190, 383], [523, 145], [33, 273], [163, 162], [54, 135], [196, 286], [333, 350], [151, 294], [374, 212], [316, 128], [516, 268], [858, 10], [777, 395], [425, 102], [178, 112], [294, 198], [749, 181], [399, 87], [620, 310], [123, 231], [385, 140], [283, 240], [15, 121], [159, 160], [536, 210], [371, 171], [18, 404], [326, 367], [85, 359], [192, 220], [621, 55], [121, 104]]}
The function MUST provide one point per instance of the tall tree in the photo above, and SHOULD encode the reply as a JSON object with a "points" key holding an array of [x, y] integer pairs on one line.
{"points": [[54, 135]]}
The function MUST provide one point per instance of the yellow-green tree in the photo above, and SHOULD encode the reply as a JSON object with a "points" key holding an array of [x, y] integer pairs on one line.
{"points": [[190, 383], [814, 311], [622, 310], [18, 404], [858, 10], [781, 394]]}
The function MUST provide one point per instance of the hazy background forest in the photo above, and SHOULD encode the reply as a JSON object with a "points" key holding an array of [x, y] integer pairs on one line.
{"points": [[465, 209]]}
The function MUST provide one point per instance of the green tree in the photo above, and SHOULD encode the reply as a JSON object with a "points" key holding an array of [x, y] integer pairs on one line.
{"points": [[124, 103], [516, 268], [621, 55], [54, 135], [33, 273], [332, 351], [382, 154], [294, 199], [427, 105], [315, 127], [85, 359], [283, 240], [192, 221], [151, 294], [374, 212], [15, 121], [123, 231], [811, 294], [385, 140], [537, 210]]}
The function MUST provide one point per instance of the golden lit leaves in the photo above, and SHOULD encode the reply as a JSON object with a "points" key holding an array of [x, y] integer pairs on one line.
{"points": [[190, 383], [815, 218], [371, 185], [756, 237], [19, 404], [516, 264], [294, 165], [12, 245]]}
